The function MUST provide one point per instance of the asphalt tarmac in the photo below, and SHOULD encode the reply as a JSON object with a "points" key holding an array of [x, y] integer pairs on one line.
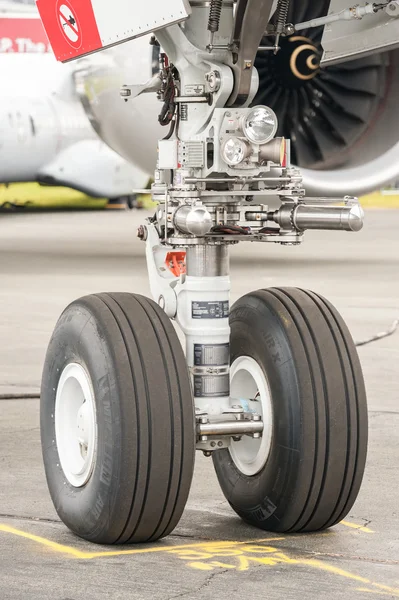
{"points": [[46, 261]]}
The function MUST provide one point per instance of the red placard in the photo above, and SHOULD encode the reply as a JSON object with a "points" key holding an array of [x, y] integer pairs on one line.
{"points": [[22, 35], [70, 26]]}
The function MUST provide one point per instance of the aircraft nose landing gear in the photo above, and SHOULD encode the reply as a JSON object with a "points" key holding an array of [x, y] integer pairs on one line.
{"points": [[279, 399]]}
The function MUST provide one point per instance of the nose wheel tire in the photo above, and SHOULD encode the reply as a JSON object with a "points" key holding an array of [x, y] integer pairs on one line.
{"points": [[117, 420], [300, 369]]}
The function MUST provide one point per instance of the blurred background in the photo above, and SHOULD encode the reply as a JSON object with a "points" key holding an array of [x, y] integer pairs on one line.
{"points": [[54, 119], [50, 154]]}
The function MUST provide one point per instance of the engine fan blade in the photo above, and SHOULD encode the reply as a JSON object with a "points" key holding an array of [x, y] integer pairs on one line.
{"points": [[324, 111], [355, 81]]}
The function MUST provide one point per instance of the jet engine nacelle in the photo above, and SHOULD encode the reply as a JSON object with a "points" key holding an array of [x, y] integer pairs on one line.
{"points": [[341, 116]]}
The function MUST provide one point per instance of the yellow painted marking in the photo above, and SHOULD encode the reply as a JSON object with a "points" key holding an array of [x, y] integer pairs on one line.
{"points": [[241, 556], [387, 588], [318, 564], [347, 574], [211, 545], [361, 589], [43, 541], [357, 527], [244, 561], [214, 545], [216, 563]]}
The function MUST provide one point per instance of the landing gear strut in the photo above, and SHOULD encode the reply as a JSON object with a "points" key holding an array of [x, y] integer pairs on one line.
{"points": [[271, 389]]}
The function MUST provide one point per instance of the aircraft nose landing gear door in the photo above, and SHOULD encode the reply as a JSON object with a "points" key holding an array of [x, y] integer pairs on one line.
{"points": [[271, 389], [79, 27]]}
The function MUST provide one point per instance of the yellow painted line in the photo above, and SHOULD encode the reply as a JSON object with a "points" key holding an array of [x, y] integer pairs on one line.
{"points": [[43, 541], [210, 544], [61, 548], [318, 564], [361, 589], [357, 527], [348, 575], [274, 557]]}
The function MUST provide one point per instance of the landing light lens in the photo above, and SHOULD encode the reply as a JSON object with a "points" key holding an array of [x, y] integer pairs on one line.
{"points": [[234, 151], [260, 125]]}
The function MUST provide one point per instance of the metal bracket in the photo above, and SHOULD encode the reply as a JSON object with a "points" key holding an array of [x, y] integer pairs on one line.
{"points": [[251, 20], [128, 92], [162, 280]]}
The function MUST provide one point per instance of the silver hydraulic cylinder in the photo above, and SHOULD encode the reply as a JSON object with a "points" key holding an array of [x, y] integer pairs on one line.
{"points": [[308, 216]]}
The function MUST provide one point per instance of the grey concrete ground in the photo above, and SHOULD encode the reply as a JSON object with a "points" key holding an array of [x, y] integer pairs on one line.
{"points": [[48, 260]]}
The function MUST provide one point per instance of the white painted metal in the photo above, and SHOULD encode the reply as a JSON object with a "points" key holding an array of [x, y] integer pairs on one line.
{"points": [[162, 281], [127, 20], [249, 387], [211, 331], [76, 424], [347, 40]]}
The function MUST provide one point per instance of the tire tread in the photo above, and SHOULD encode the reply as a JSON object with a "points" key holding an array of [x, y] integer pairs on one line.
{"points": [[332, 428], [150, 440]]}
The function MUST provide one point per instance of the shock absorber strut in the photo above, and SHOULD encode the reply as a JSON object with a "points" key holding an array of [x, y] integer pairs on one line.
{"points": [[215, 12], [203, 315], [282, 14]]}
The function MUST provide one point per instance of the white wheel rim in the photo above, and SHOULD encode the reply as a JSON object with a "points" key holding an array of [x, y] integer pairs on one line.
{"points": [[249, 387], [76, 424]]}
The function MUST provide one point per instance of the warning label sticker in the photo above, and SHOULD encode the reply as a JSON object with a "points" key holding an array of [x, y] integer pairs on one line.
{"points": [[194, 90], [206, 386], [69, 25], [210, 310], [211, 355]]}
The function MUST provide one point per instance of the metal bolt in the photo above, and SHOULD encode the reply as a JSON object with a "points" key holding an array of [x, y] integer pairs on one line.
{"points": [[256, 417], [203, 438], [256, 436], [220, 444], [207, 453], [214, 81], [392, 9], [213, 444]]}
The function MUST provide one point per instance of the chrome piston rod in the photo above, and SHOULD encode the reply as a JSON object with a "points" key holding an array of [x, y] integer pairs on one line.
{"points": [[307, 216], [230, 428]]}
